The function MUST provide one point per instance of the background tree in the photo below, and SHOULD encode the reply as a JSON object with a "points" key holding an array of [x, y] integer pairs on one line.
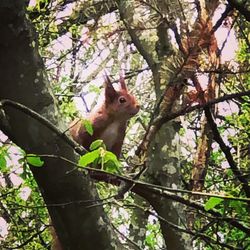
{"points": [[184, 178]]}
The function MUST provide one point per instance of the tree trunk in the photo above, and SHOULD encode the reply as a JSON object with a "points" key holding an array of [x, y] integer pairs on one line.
{"points": [[162, 154], [67, 192]]}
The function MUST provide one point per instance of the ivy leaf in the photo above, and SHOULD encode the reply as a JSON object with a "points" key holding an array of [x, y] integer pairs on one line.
{"points": [[34, 160], [88, 126], [96, 144], [89, 158], [212, 202]]}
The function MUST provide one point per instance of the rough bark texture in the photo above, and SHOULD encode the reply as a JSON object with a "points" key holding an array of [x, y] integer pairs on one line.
{"points": [[22, 80], [162, 154], [164, 171]]}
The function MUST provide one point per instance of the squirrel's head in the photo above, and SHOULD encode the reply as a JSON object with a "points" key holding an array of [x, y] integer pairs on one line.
{"points": [[120, 103]]}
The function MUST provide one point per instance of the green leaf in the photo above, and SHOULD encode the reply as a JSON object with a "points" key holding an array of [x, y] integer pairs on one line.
{"points": [[93, 88], [111, 167], [34, 160], [88, 126], [3, 163], [89, 158], [96, 144], [112, 164], [238, 206], [212, 202], [109, 156]]}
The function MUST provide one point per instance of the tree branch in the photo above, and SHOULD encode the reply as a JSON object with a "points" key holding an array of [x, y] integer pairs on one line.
{"points": [[184, 230], [221, 19], [30, 239], [77, 147], [162, 119], [140, 188], [135, 39], [149, 191], [241, 7], [226, 150]]}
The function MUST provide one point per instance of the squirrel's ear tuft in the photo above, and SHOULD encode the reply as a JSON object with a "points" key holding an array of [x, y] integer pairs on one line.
{"points": [[110, 92], [122, 82]]}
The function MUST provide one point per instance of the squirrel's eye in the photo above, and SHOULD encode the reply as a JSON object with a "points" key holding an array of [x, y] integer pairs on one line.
{"points": [[122, 99]]}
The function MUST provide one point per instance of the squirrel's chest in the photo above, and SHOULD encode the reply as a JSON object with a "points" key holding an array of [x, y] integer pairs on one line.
{"points": [[111, 134]]}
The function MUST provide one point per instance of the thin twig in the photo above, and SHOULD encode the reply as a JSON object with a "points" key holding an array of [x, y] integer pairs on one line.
{"points": [[144, 189], [226, 150], [127, 238], [221, 19], [30, 239], [157, 123], [77, 147], [181, 229]]}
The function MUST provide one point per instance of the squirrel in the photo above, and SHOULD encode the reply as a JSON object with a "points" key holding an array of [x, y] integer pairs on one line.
{"points": [[109, 122]]}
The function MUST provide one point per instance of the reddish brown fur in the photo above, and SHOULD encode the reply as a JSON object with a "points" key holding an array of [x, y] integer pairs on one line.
{"points": [[109, 121]]}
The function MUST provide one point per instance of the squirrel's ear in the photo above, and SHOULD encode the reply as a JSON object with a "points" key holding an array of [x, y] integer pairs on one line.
{"points": [[122, 82], [110, 93]]}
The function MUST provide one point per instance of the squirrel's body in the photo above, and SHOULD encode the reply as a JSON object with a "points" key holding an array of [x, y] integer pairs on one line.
{"points": [[109, 122]]}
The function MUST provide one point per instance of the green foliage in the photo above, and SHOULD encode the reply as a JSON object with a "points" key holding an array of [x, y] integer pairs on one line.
{"points": [[243, 54], [152, 236], [216, 157], [64, 94], [88, 126], [24, 209], [94, 89], [212, 202], [99, 156], [110, 162], [89, 158], [240, 139], [97, 144], [34, 160], [3, 156], [232, 121], [69, 67], [69, 109]]}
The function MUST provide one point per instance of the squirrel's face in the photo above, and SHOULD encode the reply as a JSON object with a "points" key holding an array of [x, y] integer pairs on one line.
{"points": [[120, 104], [126, 104]]}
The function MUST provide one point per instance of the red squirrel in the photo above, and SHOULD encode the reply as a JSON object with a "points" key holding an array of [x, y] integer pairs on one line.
{"points": [[110, 120], [109, 124]]}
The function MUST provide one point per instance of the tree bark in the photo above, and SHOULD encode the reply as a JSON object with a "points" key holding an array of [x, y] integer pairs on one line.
{"points": [[162, 157], [68, 193]]}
